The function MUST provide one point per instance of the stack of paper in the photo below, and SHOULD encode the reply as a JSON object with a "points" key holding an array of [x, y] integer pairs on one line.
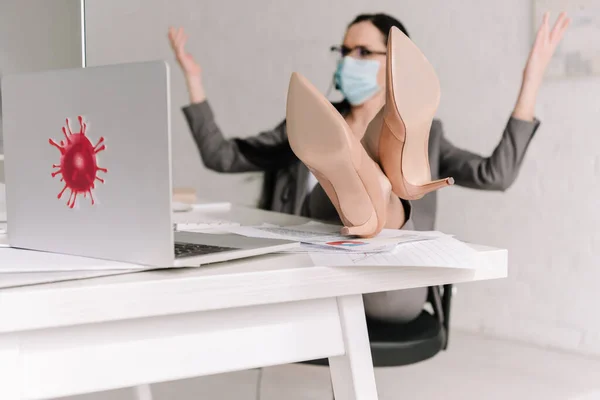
{"points": [[442, 252], [200, 222], [204, 226], [42, 267], [391, 247], [41, 261], [8, 280], [322, 237]]}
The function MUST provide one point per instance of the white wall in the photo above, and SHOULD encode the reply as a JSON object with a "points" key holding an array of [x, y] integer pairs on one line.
{"points": [[247, 50], [37, 35], [547, 220]]}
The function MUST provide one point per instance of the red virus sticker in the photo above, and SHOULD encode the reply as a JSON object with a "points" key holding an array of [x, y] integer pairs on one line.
{"points": [[78, 164]]}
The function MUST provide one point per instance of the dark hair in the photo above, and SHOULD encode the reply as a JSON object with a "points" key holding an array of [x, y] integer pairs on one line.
{"points": [[381, 21]]}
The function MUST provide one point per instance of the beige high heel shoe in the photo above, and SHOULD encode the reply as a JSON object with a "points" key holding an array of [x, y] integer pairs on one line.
{"points": [[322, 139], [398, 136]]}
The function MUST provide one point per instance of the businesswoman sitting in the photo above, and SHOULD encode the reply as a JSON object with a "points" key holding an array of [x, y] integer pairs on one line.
{"points": [[316, 127], [360, 77]]}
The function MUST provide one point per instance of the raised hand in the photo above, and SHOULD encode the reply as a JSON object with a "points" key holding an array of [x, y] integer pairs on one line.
{"points": [[191, 69], [543, 49], [178, 38], [546, 42]]}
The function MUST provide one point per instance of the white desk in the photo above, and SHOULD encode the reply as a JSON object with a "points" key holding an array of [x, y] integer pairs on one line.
{"points": [[104, 333]]}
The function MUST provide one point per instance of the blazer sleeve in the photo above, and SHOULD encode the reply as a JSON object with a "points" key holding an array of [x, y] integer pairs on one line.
{"points": [[258, 153], [496, 172]]}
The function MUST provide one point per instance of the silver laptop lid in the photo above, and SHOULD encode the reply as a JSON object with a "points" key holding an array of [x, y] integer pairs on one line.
{"points": [[103, 190]]}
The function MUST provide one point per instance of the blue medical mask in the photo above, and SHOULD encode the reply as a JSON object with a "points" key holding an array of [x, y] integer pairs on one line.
{"points": [[357, 79]]}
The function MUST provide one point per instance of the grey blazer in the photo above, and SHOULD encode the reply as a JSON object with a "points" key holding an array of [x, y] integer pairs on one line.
{"points": [[284, 186]]}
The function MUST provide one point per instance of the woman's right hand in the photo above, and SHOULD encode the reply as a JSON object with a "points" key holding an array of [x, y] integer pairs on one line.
{"points": [[191, 69]]}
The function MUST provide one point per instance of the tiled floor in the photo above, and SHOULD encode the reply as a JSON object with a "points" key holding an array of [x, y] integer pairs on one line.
{"points": [[472, 368]]}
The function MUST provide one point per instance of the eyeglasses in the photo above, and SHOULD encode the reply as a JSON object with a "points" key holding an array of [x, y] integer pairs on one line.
{"points": [[363, 52]]}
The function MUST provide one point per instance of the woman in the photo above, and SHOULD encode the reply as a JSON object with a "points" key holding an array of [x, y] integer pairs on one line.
{"points": [[288, 182]]}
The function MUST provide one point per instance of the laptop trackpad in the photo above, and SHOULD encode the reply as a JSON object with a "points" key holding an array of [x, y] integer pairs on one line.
{"points": [[227, 240]]}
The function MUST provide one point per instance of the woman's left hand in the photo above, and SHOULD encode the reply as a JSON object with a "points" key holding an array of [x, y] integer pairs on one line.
{"points": [[543, 49]]}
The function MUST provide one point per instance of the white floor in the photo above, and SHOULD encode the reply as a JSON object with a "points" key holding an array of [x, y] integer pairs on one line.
{"points": [[472, 368]]}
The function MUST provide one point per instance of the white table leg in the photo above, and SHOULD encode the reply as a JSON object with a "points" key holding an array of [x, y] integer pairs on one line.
{"points": [[10, 373], [352, 374], [143, 392]]}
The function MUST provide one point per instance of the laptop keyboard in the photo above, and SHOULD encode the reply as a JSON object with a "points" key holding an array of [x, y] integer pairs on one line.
{"points": [[192, 249]]}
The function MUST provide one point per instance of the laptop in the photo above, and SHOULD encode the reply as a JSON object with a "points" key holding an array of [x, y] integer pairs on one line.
{"points": [[88, 169]]}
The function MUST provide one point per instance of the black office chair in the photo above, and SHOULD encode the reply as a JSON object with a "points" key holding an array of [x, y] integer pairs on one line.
{"points": [[394, 345]]}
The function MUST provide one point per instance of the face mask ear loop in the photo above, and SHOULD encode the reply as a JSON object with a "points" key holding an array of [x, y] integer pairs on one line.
{"points": [[331, 85]]}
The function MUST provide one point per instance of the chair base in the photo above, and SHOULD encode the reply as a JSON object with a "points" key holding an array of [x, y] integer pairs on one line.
{"points": [[395, 345]]}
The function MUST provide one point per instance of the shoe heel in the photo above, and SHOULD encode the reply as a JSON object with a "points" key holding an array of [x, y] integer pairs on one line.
{"points": [[366, 230], [404, 124], [417, 192]]}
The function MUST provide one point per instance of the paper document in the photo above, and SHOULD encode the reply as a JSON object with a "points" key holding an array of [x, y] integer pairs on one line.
{"points": [[442, 252], [204, 226], [210, 206], [311, 248], [197, 222], [18, 260], [328, 236], [35, 278]]}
